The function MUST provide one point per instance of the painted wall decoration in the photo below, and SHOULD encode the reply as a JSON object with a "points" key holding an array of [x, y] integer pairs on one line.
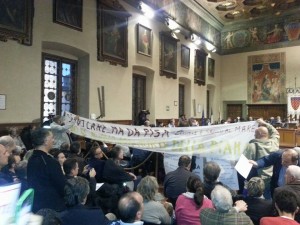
{"points": [[266, 79], [187, 18], [254, 37]]}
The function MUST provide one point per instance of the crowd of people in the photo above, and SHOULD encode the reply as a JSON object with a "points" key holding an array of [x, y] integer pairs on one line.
{"points": [[66, 191]]}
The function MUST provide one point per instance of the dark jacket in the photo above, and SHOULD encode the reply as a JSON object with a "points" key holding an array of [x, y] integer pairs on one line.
{"points": [[5, 179], [45, 176], [80, 215], [258, 208], [98, 165], [175, 183], [274, 159], [115, 174]]}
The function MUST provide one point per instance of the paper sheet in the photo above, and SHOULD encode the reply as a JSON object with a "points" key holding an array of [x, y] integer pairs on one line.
{"points": [[243, 166]]}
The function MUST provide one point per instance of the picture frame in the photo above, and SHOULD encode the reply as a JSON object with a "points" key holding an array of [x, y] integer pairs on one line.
{"points": [[144, 40], [112, 34], [200, 67], [168, 55], [211, 67], [185, 57], [16, 21], [68, 13]]}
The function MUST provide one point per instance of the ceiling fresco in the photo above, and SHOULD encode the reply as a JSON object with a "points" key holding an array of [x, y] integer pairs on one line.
{"points": [[231, 12]]}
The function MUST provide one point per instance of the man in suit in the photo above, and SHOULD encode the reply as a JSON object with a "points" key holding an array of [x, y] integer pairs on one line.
{"points": [[280, 160], [224, 213]]}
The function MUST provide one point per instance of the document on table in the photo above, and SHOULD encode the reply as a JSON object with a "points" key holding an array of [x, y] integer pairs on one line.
{"points": [[243, 166]]}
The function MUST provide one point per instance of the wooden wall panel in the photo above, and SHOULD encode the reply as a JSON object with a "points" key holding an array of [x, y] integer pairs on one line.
{"points": [[266, 111]]}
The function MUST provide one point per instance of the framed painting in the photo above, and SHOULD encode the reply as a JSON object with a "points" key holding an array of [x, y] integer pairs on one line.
{"points": [[185, 57], [16, 17], [168, 55], [200, 67], [68, 13], [267, 78], [211, 67], [144, 40], [112, 40]]}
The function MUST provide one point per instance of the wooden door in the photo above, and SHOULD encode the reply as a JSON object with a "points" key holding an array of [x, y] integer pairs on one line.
{"points": [[234, 111]]}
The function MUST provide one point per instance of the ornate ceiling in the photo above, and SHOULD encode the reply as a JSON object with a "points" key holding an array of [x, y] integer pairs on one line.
{"points": [[232, 12]]}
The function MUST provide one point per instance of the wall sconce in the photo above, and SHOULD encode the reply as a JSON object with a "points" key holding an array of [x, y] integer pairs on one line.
{"points": [[196, 39], [172, 24], [147, 10], [210, 47]]}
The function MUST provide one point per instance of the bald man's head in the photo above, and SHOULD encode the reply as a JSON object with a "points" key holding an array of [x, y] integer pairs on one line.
{"points": [[292, 174], [261, 133], [4, 154], [131, 207], [8, 143], [289, 157]]}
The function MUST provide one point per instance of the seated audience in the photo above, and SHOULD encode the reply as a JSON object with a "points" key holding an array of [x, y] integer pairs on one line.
{"points": [[21, 173], [65, 148], [9, 169], [113, 173], [292, 182], [71, 169], [44, 173], [50, 217], [154, 212], [26, 136], [130, 209], [75, 151], [4, 154], [59, 156], [224, 212], [13, 132], [76, 192], [175, 181], [211, 174], [190, 204], [286, 205], [258, 207], [8, 143], [171, 123]]}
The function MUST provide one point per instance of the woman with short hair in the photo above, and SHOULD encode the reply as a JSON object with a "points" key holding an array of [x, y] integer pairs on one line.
{"points": [[76, 192], [154, 212]]}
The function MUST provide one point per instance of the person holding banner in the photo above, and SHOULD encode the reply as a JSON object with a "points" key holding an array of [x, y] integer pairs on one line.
{"points": [[266, 141], [114, 173], [59, 130]]}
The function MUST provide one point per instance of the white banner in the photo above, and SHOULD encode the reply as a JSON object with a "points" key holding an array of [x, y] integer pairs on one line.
{"points": [[220, 141]]}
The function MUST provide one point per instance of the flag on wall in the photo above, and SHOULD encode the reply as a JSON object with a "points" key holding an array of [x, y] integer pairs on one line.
{"points": [[211, 116], [203, 119], [293, 100]]}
